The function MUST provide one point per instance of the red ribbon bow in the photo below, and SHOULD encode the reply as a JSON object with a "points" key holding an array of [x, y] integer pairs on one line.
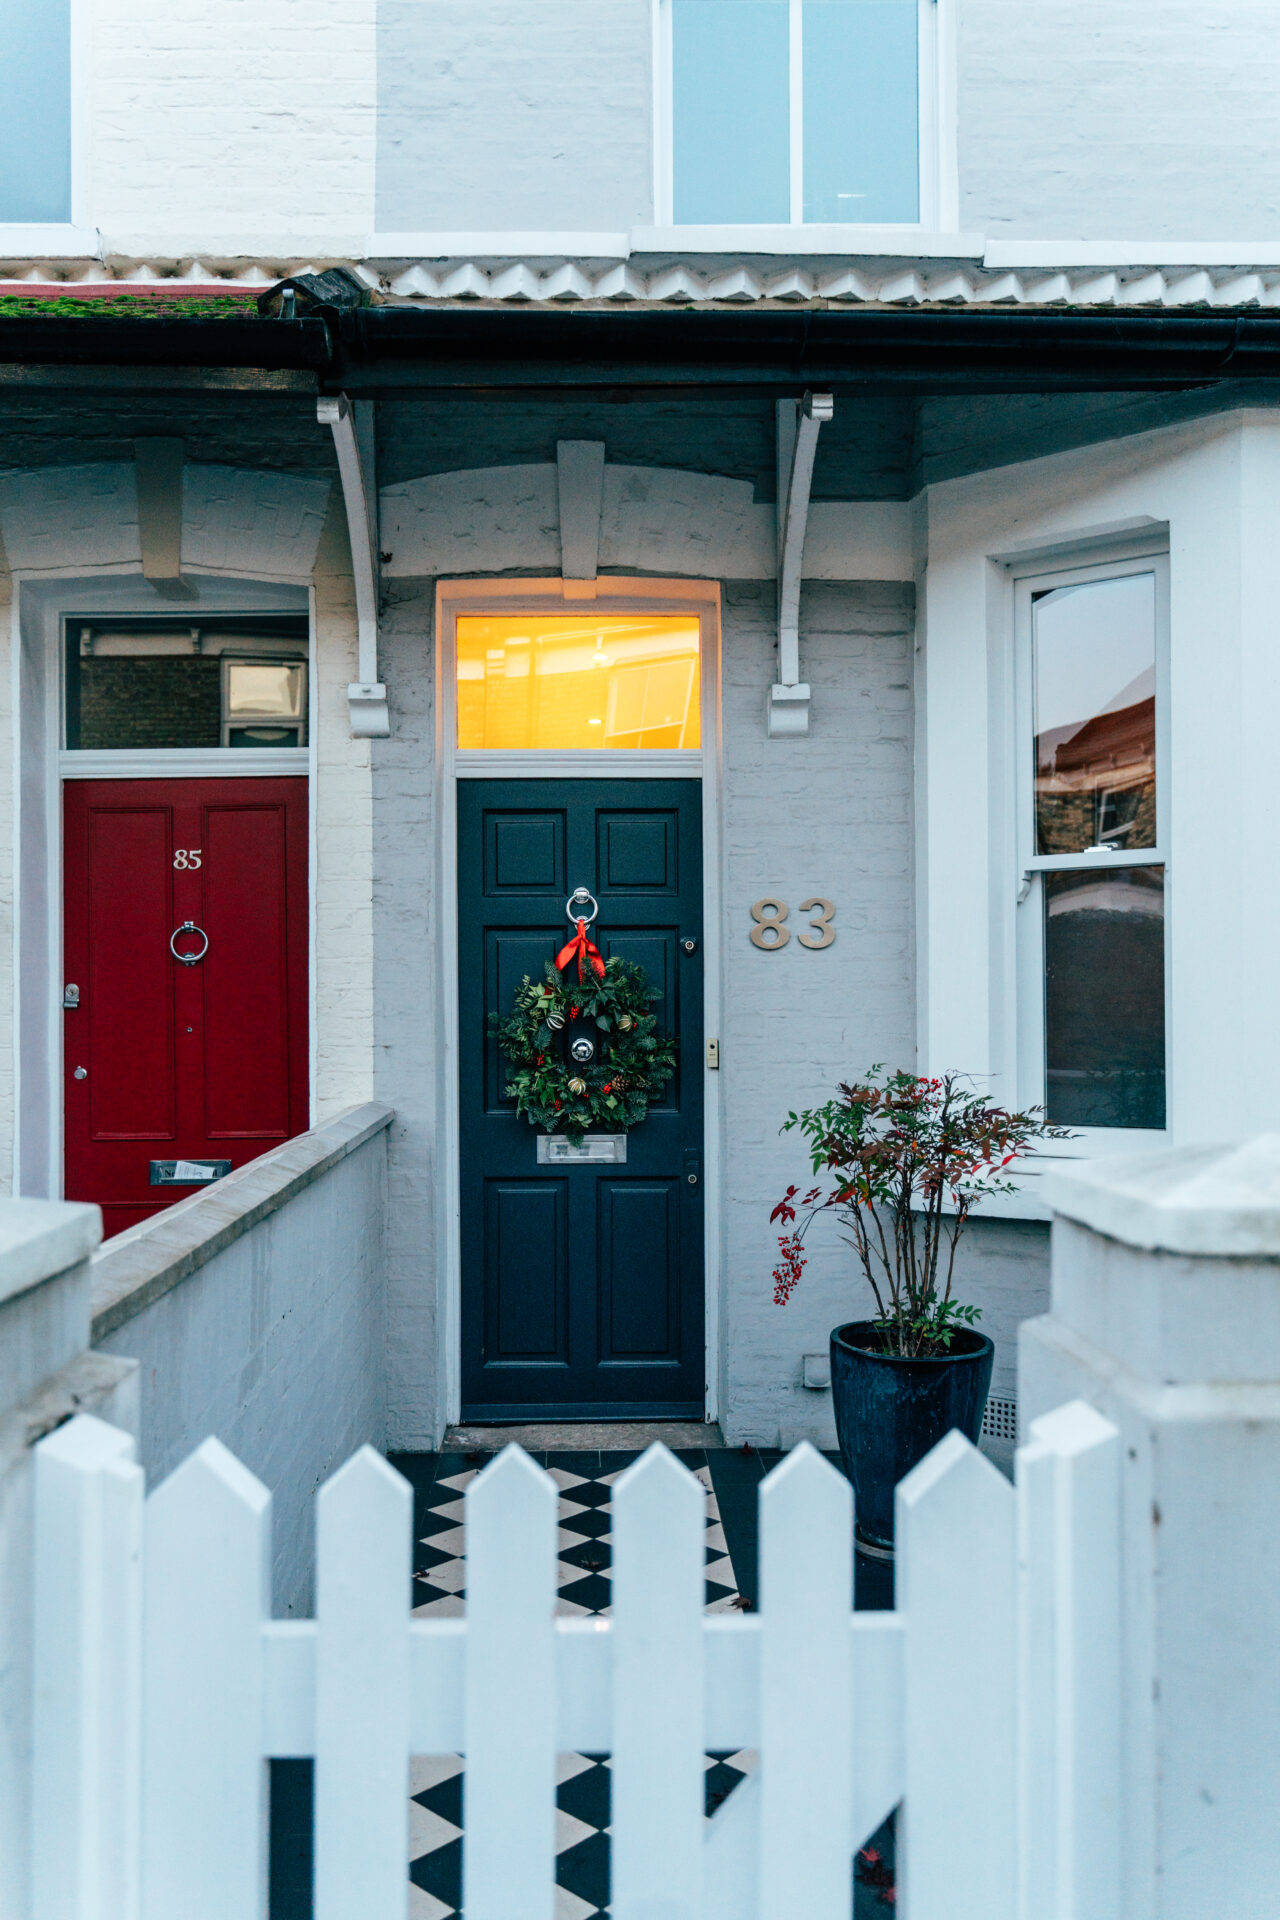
{"points": [[584, 948]]}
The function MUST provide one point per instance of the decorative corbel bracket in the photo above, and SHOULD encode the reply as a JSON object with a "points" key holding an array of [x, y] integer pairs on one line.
{"points": [[580, 484], [366, 697], [787, 708]]}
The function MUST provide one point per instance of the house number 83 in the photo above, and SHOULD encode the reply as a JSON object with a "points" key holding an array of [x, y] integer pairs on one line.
{"points": [[770, 933]]}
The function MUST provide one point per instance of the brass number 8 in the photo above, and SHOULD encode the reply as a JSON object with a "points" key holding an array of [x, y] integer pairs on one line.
{"points": [[822, 932], [768, 916]]}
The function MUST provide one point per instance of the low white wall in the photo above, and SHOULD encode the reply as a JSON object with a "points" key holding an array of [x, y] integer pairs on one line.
{"points": [[255, 1310], [46, 1375]]}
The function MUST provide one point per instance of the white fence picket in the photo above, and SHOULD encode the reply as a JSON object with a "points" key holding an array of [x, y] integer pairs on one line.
{"points": [[987, 1703], [88, 1691], [206, 1584], [364, 1528], [509, 1811], [659, 1529], [956, 1571], [806, 1690], [1069, 1643]]}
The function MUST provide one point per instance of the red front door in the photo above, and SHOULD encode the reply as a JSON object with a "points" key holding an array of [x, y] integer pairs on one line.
{"points": [[172, 1061]]}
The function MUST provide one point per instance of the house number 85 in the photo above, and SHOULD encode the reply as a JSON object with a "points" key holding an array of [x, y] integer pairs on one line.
{"points": [[185, 857], [770, 933]]}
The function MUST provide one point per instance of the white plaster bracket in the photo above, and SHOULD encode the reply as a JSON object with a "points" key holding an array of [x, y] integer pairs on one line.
{"points": [[580, 484], [787, 707], [158, 464], [366, 697]]}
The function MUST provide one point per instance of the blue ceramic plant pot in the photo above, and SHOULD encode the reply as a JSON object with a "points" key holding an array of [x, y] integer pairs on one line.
{"points": [[890, 1412]]}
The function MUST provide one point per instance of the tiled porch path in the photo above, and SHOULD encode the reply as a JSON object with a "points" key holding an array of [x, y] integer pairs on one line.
{"points": [[584, 1475]]}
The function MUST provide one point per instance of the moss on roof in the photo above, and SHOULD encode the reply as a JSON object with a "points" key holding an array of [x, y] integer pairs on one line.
{"points": [[129, 306]]}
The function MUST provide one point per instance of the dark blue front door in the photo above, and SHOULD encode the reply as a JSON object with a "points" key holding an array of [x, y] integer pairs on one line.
{"points": [[581, 1284]]}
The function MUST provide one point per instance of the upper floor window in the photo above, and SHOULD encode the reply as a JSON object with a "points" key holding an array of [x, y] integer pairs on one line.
{"points": [[35, 127], [1094, 845], [793, 111]]}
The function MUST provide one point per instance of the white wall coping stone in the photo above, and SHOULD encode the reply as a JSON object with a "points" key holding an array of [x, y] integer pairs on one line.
{"points": [[1221, 1200], [712, 266], [145, 1262], [40, 1238]]}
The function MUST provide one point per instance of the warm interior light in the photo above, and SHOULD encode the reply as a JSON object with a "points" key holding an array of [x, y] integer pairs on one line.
{"points": [[534, 682]]}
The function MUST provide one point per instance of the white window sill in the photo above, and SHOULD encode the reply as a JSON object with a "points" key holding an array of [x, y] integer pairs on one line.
{"points": [[19, 241], [1026, 1203], [909, 243], [913, 243]]}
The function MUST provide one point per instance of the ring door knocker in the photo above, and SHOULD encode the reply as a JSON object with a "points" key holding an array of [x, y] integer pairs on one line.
{"points": [[188, 959], [575, 906], [581, 1039]]}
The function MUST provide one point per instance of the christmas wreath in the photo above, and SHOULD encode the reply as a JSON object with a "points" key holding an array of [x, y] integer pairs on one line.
{"points": [[605, 1015]]}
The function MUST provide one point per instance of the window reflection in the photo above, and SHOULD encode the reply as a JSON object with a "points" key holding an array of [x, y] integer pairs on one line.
{"points": [[1104, 997], [1095, 715], [559, 682], [141, 685]]}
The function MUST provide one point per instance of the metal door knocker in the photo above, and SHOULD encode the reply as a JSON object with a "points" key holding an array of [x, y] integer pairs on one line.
{"points": [[575, 906], [188, 959]]}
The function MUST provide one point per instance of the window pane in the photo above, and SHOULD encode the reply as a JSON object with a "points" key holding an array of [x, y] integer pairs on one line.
{"points": [[1104, 997], [557, 682], [144, 687], [731, 116], [1095, 714], [35, 127], [861, 139], [266, 687]]}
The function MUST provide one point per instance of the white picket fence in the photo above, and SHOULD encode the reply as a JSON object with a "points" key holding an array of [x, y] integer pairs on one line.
{"points": [[986, 1704]]}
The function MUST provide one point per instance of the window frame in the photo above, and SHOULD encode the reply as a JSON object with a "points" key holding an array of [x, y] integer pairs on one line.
{"points": [[1032, 866], [938, 171]]}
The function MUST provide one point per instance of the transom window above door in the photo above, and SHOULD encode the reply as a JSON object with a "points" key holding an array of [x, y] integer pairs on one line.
{"points": [[138, 685], [564, 682], [795, 111]]}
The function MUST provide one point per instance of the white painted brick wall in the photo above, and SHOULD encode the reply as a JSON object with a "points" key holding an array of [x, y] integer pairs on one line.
{"points": [[497, 114], [830, 815], [276, 1347], [8, 866], [241, 128], [1116, 120], [280, 127], [343, 877], [406, 1060]]}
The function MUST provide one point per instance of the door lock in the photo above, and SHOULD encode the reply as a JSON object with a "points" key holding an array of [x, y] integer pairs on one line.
{"points": [[81, 1073], [692, 1166], [690, 946], [71, 994]]}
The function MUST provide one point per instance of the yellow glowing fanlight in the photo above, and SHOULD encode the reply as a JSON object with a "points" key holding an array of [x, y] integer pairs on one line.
{"points": [[559, 682]]}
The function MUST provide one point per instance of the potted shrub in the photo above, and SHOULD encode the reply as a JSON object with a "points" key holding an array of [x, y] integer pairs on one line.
{"points": [[901, 1160]]}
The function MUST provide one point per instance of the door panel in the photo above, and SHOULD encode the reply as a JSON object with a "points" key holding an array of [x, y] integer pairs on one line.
{"points": [[128, 900], [583, 1286], [203, 1062], [526, 1282], [639, 1271], [244, 977]]}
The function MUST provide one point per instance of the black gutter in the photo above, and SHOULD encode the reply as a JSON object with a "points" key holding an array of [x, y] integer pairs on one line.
{"points": [[522, 350], [167, 340], [388, 350]]}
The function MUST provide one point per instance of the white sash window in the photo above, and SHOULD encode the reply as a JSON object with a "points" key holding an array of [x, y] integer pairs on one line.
{"points": [[1094, 855]]}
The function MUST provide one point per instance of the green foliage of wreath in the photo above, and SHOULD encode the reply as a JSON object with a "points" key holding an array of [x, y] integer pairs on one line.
{"points": [[633, 1060]]}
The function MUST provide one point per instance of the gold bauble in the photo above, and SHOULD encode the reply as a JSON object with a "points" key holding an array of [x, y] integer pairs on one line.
{"points": [[577, 1086]]}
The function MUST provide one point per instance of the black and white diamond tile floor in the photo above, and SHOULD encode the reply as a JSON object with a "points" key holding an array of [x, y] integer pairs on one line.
{"points": [[584, 1552]]}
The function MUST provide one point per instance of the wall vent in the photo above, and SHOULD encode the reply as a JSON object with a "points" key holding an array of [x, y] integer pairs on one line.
{"points": [[1000, 1421]]}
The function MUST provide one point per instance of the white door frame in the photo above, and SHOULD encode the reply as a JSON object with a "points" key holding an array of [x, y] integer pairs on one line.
{"points": [[41, 604], [620, 594]]}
